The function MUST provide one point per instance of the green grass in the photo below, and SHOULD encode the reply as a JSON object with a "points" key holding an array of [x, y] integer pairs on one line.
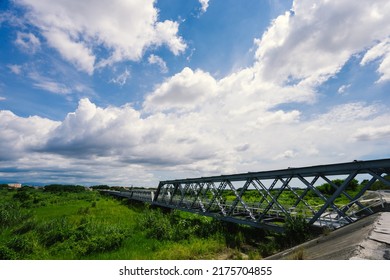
{"points": [[72, 223], [43, 225], [37, 224]]}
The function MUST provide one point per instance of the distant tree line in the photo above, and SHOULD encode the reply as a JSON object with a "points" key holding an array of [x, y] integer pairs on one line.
{"points": [[54, 188]]}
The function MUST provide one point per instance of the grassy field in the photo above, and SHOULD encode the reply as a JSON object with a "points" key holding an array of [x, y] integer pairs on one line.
{"points": [[69, 222], [36, 224]]}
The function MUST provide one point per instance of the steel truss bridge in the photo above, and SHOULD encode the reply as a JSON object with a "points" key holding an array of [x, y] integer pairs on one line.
{"points": [[268, 199]]}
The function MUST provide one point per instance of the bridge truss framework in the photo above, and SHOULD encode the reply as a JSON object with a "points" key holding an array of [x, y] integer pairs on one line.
{"points": [[259, 198]]}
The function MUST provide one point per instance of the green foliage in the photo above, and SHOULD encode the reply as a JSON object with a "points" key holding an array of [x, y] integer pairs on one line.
{"points": [[26, 226], [10, 214], [54, 231], [21, 245], [174, 227], [23, 195], [328, 189], [55, 188], [7, 253], [378, 185], [296, 231], [88, 225], [100, 187], [3, 186]]}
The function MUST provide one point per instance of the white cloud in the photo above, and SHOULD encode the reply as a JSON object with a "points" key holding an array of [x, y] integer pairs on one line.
{"points": [[380, 51], [312, 43], [27, 42], [19, 135], [48, 84], [80, 29], [121, 79], [193, 124], [204, 4], [75, 52], [186, 90], [2, 98], [53, 87], [155, 59], [14, 68], [372, 133], [286, 155], [119, 144], [343, 88]]}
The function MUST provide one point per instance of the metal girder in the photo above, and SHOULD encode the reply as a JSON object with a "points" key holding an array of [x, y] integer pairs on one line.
{"points": [[312, 171], [247, 198]]}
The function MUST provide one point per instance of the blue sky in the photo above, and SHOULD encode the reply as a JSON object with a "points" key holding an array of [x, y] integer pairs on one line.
{"points": [[130, 92]]}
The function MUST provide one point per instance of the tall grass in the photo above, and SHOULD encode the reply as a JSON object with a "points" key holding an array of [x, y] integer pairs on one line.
{"points": [[86, 225]]}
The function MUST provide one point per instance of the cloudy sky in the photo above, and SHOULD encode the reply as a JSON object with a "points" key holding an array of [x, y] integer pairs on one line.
{"points": [[130, 92]]}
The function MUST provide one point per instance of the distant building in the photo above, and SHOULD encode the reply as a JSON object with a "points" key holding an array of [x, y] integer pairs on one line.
{"points": [[15, 186]]}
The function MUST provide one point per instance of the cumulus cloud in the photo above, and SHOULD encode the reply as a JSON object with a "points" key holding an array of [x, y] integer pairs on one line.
{"points": [[195, 124], [124, 29], [184, 91], [122, 133], [93, 139], [313, 41], [20, 134]]}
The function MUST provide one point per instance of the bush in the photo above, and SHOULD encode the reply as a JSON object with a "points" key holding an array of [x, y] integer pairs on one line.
{"points": [[21, 245], [23, 195], [175, 227], [11, 214], [54, 231], [156, 225], [54, 188], [296, 231], [7, 253]]}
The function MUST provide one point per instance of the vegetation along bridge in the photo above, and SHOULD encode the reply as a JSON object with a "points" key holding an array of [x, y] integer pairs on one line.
{"points": [[326, 195]]}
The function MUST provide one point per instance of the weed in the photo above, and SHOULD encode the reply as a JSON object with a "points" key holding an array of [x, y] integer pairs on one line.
{"points": [[298, 254]]}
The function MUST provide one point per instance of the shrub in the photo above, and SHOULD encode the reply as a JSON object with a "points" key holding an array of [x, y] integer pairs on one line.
{"points": [[21, 245], [7, 253], [54, 231], [55, 188], [23, 195], [296, 231], [11, 214]]}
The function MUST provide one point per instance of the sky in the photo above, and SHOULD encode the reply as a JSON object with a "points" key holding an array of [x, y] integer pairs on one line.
{"points": [[131, 92]]}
